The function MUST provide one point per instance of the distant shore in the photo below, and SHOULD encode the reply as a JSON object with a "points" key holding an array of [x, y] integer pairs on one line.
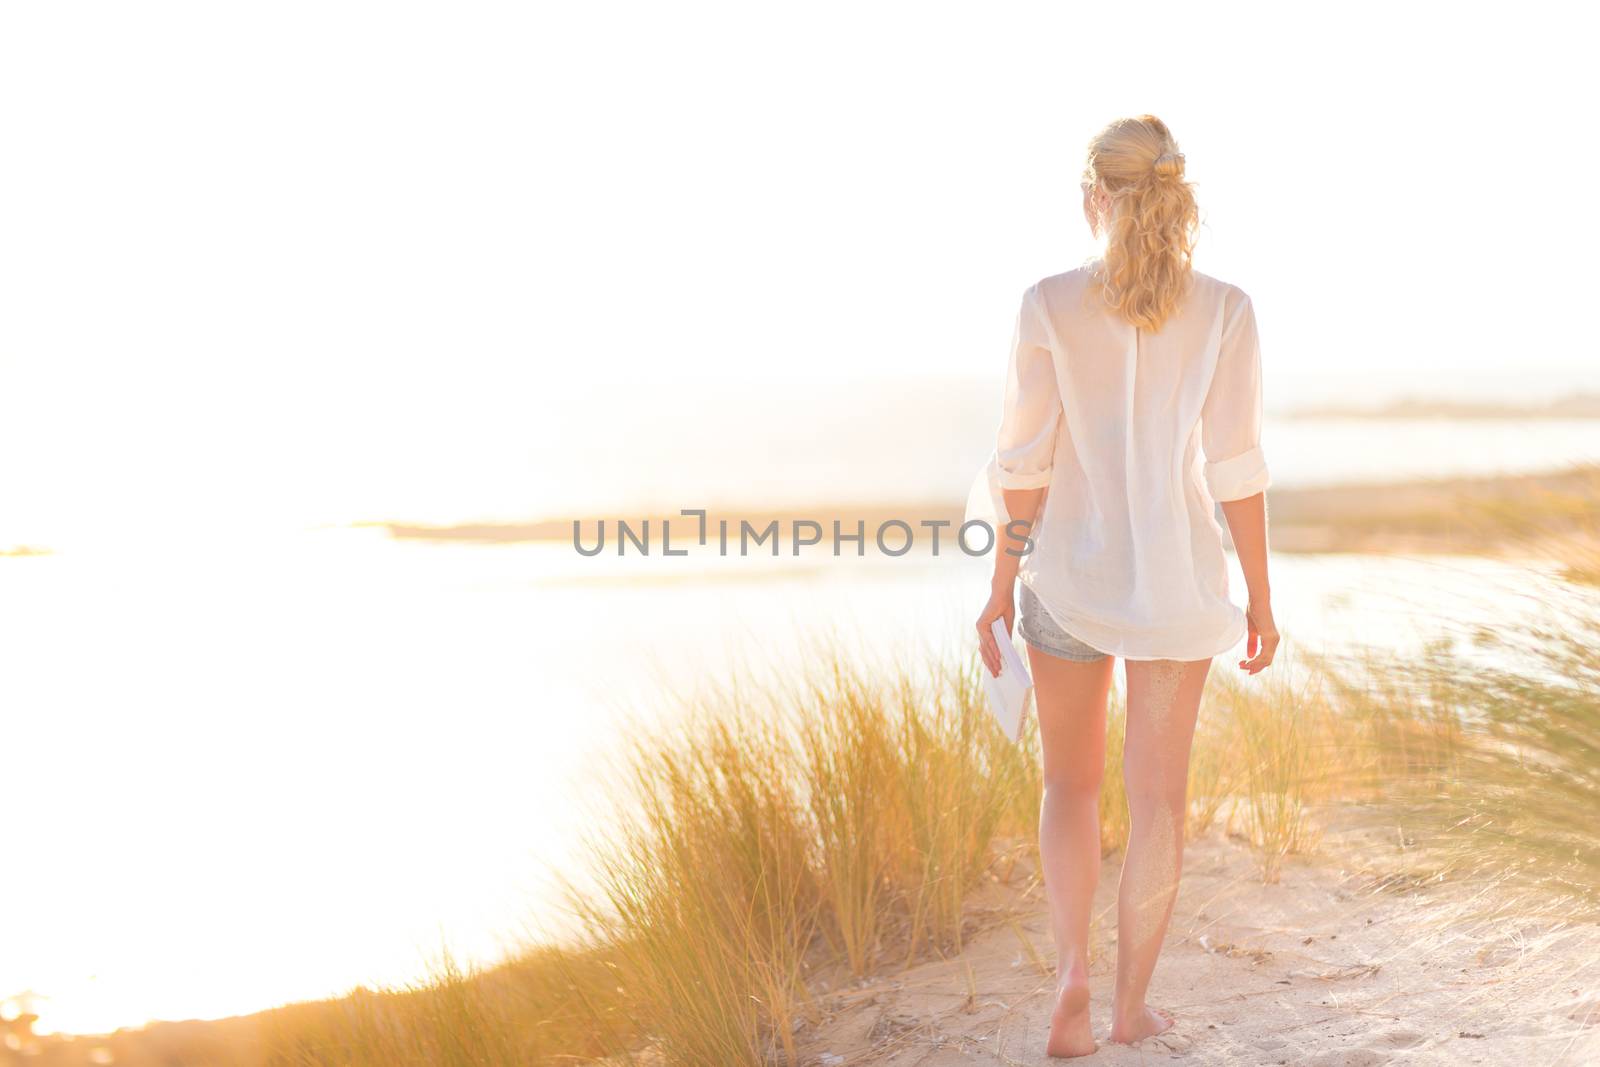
{"points": [[1469, 515], [1477, 515], [1570, 406]]}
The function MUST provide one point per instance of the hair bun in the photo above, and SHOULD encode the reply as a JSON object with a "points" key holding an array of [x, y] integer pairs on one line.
{"points": [[1168, 165]]}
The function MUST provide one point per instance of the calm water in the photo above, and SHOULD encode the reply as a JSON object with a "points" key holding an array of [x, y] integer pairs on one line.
{"points": [[799, 445], [255, 774]]}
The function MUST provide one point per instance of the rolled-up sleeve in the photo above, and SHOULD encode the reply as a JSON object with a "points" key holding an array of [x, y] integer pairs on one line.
{"points": [[1025, 445], [1230, 421]]}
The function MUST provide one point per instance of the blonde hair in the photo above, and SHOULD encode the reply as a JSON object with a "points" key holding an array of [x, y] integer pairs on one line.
{"points": [[1147, 268]]}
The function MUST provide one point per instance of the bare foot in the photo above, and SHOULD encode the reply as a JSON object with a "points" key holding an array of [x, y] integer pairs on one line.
{"points": [[1070, 1033], [1148, 1023]]}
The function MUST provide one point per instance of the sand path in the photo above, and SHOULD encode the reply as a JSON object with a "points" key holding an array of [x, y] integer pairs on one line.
{"points": [[1331, 967]]}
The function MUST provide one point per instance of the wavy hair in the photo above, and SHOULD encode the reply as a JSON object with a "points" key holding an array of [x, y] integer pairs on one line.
{"points": [[1152, 222]]}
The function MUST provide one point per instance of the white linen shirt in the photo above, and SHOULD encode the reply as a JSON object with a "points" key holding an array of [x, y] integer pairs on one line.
{"points": [[1113, 421]]}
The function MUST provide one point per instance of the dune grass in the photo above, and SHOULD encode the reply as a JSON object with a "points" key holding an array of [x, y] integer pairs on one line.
{"points": [[818, 832], [1262, 750], [772, 842], [1493, 770]]}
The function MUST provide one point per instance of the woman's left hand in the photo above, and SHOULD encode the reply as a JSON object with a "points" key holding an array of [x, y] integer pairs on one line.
{"points": [[1002, 605], [1261, 641]]}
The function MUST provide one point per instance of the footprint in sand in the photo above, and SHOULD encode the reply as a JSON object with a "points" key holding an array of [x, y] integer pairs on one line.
{"points": [[1171, 1041], [1401, 1038]]}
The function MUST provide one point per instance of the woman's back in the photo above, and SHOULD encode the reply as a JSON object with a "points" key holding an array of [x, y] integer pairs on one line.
{"points": [[1136, 433], [1132, 407]]}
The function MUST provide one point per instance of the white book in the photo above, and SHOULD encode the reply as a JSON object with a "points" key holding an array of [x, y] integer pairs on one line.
{"points": [[1008, 693]]}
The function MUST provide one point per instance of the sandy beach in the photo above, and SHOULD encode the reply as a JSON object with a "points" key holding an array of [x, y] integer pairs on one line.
{"points": [[1345, 962]]}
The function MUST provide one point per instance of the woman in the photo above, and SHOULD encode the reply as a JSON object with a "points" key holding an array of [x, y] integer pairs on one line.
{"points": [[1133, 401]]}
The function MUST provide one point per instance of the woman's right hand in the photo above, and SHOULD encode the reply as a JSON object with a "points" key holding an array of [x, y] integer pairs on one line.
{"points": [[1002, 605]]}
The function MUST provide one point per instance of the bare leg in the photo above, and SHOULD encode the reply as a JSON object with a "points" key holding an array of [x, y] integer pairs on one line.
{"points": [[1163, 701], [1071, 699]]}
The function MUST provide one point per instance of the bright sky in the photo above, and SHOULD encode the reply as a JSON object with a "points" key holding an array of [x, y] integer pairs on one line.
{"points": [[295, 259]]}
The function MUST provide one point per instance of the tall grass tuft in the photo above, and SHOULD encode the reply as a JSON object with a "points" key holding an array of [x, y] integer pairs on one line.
{"points": [[1280, 765], [708, 893], [841, 821], [1493, 759], [1115, 820], [1215, 768], [848, 773], [956, 776]]}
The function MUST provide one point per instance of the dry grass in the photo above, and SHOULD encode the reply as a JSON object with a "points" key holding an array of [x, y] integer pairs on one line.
{"points": [[1262, 750], [837, 824], [1494, 770], [1115, 820]]}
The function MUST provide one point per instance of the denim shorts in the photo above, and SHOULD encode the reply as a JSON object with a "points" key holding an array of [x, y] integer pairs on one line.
{"points": [[1041, 631]]}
